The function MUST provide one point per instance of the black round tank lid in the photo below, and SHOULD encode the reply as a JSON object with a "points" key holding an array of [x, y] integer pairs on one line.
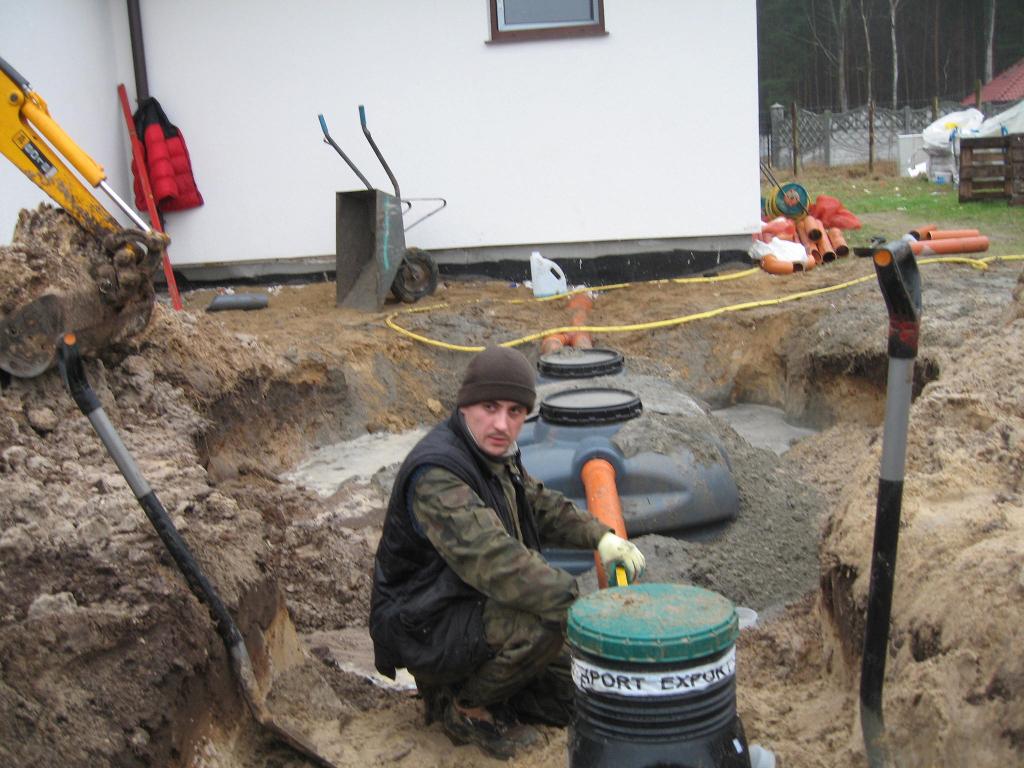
{"points": [[580, 363], [593, 405]]}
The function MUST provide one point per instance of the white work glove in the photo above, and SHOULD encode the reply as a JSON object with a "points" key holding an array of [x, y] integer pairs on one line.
{"points": [[614, 549]]}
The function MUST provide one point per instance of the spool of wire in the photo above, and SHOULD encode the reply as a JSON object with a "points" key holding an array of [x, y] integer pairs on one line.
{"points": [[789, 200]]}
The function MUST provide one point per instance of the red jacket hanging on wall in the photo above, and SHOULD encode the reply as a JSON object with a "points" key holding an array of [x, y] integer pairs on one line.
{"points": [[167, 161]]}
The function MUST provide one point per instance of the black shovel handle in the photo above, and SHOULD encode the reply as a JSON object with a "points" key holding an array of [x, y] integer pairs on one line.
{"points": [[69, 361], [900, 281]]}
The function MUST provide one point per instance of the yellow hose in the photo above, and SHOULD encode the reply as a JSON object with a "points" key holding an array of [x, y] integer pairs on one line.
{"points": [[390, 319]]}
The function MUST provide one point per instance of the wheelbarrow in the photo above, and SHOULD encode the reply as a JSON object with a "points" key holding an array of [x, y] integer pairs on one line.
{"points": [[371, 255]]}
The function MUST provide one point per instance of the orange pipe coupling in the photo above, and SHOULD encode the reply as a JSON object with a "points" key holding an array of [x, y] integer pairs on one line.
{"points": [[603, 501]]}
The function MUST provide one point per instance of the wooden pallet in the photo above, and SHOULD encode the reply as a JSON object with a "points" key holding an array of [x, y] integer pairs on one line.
{"points": [[992, 168], [1016, 155]]}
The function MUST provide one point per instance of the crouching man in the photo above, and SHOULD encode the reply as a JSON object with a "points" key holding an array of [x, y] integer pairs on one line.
{"points": [[462, 596]]}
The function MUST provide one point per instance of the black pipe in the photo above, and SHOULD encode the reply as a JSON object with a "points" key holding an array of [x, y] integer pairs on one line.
{"points": [[900, 283], [138, 51]]}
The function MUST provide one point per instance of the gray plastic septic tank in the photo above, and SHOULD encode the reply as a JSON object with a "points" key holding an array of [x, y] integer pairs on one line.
{"points": [[671, 469], [654, 673]]}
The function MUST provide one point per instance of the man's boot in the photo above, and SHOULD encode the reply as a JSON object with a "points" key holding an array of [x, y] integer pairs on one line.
{"points": [[509, 723], [435, 699], [465, 725], [547, 700]]}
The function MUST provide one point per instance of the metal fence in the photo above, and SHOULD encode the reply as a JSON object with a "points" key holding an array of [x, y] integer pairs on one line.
{"points": [[842, 138]]}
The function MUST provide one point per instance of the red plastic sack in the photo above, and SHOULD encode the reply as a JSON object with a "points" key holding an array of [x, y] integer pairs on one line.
{"points": [[830, 211]]}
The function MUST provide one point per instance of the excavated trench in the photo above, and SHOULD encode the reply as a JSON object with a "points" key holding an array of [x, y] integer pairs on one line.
{"points": [[309, 429], [223, 414], [106, 658]]}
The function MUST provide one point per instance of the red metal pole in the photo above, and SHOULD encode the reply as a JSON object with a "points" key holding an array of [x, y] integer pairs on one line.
{"points": [[154, 216]]}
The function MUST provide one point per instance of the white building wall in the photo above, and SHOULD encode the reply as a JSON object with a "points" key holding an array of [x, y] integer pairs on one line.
{"points": [[648, 132], [64, 49]]}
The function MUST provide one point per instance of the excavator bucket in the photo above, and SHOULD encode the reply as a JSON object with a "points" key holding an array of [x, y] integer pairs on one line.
{"points": [[97, 283], [370, 247]]}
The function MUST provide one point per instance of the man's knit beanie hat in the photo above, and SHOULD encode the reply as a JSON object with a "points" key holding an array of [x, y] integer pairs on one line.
{"points": [[498, 373]]}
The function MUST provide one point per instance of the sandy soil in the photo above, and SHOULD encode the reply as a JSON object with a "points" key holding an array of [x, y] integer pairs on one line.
{"points": [[107, 659]]}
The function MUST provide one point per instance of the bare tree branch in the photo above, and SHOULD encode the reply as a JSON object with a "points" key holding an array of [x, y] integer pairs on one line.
{"points": [[894, 6]]}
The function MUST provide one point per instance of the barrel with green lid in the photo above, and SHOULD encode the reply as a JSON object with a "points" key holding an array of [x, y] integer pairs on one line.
{"points": [[654, 668]]}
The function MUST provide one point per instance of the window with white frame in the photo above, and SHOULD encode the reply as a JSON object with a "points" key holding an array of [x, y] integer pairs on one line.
{"points": [[545, 19]]}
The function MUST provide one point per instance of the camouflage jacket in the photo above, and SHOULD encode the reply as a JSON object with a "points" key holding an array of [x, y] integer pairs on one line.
{"points": [[471, 539]]}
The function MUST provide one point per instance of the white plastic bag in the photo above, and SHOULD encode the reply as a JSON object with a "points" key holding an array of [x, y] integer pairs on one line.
{"points": [[941, 133], [1010, 121], [783, 250]]}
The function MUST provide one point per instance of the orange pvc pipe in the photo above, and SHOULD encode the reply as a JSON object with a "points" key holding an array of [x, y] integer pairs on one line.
{"points": [[921, 233], [580, 304], [775, 266], [555, 342], [581, 340], [950, 234], [828, 253], [838, 241], [955, 245], [815, 229], [603, 501], [801, 233]]}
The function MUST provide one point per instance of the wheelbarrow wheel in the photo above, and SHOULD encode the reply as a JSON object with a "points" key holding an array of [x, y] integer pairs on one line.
{"points": [[416, 278]]}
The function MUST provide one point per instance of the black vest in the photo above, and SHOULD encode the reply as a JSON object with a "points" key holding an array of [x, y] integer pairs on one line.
{"points": [[422, 615]]}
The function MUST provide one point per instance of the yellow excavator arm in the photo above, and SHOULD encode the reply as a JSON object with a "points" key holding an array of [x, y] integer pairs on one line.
{"points": [[115, 298], [23, 117]]}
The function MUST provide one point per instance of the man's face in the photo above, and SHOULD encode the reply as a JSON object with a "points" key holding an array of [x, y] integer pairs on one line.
{"points": [[495, 424]]}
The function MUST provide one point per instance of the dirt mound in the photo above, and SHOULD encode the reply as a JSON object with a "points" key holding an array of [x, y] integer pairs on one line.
{"points": [[950, 674], [767, 556]]}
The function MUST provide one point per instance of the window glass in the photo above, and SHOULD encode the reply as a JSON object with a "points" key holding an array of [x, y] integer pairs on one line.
{"points": [[540, 13], [539, 19]]}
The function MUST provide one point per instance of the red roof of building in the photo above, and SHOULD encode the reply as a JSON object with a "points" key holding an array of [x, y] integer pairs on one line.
{"points": [[1008, 85]]}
